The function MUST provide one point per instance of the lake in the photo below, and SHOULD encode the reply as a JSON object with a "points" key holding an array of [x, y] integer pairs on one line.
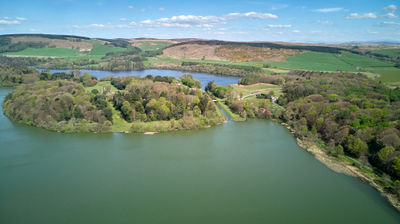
{"points": [[238, 172], [202, 77]]}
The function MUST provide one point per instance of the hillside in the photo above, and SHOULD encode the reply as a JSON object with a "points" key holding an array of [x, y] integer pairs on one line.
{"points": [[59, 46], [228, 58]]}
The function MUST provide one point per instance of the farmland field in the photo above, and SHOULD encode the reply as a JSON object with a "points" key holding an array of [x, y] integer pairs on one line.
{"points": [[330, 62], [100, 49], [389, 75], [388, 52], [47, 52]]}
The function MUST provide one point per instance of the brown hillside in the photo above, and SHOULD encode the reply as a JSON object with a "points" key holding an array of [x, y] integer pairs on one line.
{"points": [[193, 51], [228, 53], [247, 53]]}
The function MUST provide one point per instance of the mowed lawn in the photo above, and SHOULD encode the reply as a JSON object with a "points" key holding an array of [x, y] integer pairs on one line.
{"points": [[47, 52], [331, 62]]}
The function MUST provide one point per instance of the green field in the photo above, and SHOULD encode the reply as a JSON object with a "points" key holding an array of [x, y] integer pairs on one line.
{"points": [[391, 75], [331, 62], [393, 52], [100, 87], [247, 90], [100, 49], [47, 52], [152, 45]]}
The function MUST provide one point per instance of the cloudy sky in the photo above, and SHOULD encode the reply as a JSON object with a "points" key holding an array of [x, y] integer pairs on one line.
{"points": [[252, 20]]}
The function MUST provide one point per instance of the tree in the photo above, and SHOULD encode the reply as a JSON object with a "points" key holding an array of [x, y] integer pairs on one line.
{"points": [[126, 111], [211, 85], [78, 113], [95, 91], [45, 75], [396, 166], [389, 137], [107, 112], [356, 146], [384, 154]]}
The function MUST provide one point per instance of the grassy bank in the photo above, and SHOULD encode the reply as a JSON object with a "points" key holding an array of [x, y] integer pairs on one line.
{"points": [[228, 111]]}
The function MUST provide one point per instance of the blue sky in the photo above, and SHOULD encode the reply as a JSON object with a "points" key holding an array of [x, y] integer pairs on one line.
{"points": [[252, 20]]}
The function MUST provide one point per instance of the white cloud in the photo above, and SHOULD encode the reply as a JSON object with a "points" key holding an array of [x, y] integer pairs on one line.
{"points": [[369, 15], [187, 21], [252, 15], [280, 26], [240, 32], [327, 10], [101, 26], [9, 22], [161, 9], [130, 7], [296, 31], [280, 33], [391, 15], [391, 8], [97, 25], [326, 22], [205, 26], [389, 24]]}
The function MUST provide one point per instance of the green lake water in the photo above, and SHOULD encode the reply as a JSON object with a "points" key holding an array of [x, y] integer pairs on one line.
{"points": [[250, 172]]}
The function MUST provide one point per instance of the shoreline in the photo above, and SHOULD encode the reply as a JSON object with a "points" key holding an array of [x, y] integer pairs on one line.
{"points": [[339, 166]]}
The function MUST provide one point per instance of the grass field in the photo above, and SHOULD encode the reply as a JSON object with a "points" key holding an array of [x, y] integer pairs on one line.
{"points": [[98, 51], [388, 75], [47, 52], [152, 45], [331, 62], [393, 52], [251, 90], [101, 50]]}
